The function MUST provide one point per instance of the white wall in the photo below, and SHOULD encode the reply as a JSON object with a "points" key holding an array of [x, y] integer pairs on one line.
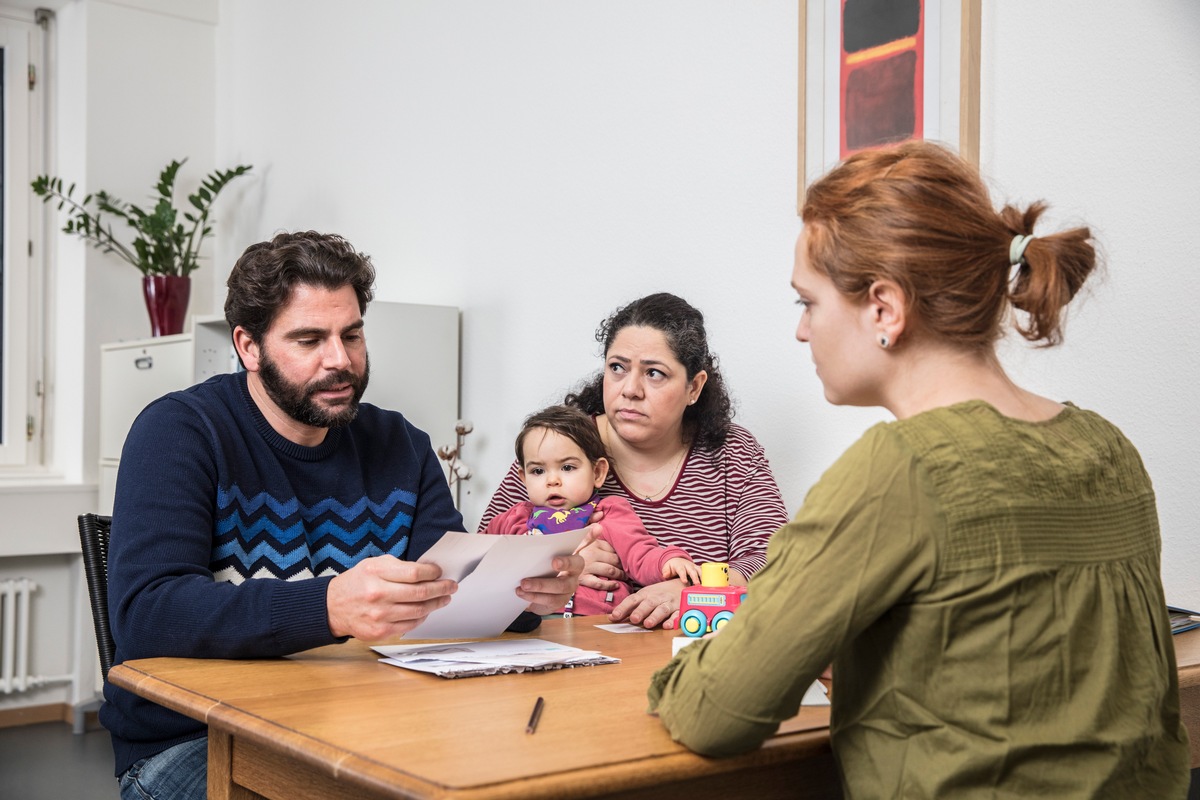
{"points": [[1095, 107], [538, 163], [518, 157], [150, 97]]}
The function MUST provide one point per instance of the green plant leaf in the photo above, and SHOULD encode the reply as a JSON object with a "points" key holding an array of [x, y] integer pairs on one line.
{"points": [[162, 245]]}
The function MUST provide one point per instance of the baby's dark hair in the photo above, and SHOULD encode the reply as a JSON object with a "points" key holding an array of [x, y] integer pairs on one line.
{"points": [[567, 421]]}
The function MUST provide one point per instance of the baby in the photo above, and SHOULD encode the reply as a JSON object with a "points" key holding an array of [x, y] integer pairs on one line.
{"points": [[562, 463]]}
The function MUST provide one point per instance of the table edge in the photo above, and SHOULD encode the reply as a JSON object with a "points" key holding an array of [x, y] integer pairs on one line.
{"points": [[387, 779]]}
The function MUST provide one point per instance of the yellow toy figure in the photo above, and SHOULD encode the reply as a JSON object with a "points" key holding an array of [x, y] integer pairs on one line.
{"points": [[710, 605]]}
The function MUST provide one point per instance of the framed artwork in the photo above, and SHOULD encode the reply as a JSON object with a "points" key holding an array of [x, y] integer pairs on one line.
{"points": [[876, 72]]}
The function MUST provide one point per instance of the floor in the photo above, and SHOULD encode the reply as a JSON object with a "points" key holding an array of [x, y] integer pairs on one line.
{"points": [[48, 762]]}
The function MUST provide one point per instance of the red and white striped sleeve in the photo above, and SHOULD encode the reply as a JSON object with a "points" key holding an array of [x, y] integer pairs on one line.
{"points": [[510, 492]]}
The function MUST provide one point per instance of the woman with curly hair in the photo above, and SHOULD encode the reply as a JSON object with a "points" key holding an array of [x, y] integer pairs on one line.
{"points": [[696, 479]]}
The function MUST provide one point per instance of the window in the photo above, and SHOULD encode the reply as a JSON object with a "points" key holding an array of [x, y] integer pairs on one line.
{"points": [[21, 291]]}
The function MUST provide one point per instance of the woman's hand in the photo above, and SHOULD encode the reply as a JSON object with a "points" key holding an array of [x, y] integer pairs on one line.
{"points": [[601, 565], [651, 606]]}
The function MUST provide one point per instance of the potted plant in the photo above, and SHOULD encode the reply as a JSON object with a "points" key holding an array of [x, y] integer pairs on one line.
{"points": [[165, 248]]}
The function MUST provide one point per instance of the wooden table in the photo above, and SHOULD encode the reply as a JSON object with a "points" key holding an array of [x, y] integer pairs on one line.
{"points": [[1187, 654], [335, 723]]}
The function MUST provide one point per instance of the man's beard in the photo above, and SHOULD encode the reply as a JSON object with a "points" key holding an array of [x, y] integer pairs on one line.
{"points": [[296, 400]]}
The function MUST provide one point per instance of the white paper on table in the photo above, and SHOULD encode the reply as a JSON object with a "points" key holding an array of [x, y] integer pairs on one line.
{"points": [[464, 659], [622, 627], [488, 569], [815, 695], [497, 650]]}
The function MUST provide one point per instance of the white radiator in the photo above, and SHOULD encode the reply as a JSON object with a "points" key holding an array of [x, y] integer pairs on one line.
{"points": [[14, 633], [15, 621]]}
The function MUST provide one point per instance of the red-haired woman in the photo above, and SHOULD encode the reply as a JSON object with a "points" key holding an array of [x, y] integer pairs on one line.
{"points": [[983, 572]]}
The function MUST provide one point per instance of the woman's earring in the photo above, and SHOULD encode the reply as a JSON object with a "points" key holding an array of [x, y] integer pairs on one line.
{"points": [[884, 341]]}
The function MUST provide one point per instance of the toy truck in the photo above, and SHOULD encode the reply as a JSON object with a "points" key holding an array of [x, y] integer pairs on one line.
{"points": [[710, 605]]}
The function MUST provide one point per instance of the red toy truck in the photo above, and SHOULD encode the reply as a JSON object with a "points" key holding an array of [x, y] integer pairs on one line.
{"points": [[710, 605]]}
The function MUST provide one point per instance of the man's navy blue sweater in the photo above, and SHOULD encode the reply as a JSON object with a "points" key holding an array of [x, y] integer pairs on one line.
{"points": [[225, 536]]}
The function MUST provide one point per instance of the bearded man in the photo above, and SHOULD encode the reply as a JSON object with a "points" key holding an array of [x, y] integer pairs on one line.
{"points": [[269, 511]]}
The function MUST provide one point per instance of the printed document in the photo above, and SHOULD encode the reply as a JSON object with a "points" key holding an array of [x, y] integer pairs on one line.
{"points": [[468, 659]]}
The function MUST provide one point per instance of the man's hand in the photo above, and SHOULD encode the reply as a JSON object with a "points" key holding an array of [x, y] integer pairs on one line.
{"points": [[651, 606], [547, 595], [383, 598], [602, 567]]}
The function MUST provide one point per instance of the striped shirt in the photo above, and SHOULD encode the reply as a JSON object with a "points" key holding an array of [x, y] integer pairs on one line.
{"points": [[724, 505]]}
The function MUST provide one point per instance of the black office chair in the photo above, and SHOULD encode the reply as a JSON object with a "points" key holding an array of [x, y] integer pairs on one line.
{"points": [[93, 538]]}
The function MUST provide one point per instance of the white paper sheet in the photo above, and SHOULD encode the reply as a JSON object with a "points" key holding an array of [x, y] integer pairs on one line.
{"points": [[468, 659], [488, 570], [814, 695], [622, 627]]}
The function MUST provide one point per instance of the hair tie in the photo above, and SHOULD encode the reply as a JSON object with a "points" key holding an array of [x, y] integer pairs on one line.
{"points": [[1016, 256], [1016, 250]]}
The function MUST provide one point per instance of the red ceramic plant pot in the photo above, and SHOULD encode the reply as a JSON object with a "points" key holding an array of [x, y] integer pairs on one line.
{"points": [[167, 301]]}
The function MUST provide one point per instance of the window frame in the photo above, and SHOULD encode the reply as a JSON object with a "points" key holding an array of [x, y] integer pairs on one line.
{"points": [[22, 393]]}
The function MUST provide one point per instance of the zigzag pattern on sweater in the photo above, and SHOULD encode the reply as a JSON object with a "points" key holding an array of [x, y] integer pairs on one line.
{"points": [[265, 537]]}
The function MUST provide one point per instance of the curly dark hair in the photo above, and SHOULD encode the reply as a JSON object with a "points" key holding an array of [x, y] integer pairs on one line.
{"points": [[706, 423], [262, 280]]}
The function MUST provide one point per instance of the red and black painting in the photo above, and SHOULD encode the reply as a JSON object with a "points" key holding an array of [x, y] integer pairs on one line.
{"points": [[882, 73]]}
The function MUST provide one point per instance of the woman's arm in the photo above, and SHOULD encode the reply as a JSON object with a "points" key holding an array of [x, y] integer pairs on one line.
{"points": [[818, 592]]}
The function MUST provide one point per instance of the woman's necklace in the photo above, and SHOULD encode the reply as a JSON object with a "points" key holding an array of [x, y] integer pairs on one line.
{"points": [[670, 478], [602, 425]]}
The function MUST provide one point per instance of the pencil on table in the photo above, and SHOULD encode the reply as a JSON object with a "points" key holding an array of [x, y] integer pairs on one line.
{"points": [[535, 716]]}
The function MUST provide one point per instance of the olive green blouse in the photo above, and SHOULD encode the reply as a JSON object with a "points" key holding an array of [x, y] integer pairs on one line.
{"points": [[988, 591]]}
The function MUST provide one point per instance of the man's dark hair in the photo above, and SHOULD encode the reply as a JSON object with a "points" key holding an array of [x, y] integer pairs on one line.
{"points": [[263, 278]]}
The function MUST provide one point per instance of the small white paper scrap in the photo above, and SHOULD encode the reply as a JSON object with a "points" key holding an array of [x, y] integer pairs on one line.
{"points": [[623, 627], [815, 695], [680, 642]]}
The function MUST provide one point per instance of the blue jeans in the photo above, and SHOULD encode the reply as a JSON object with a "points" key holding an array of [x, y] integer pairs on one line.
{"points": [[178, 773]]}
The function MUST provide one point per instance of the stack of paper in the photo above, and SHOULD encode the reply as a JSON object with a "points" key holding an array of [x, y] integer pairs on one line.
{"points": [[467, 659], [1182, 619]]}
